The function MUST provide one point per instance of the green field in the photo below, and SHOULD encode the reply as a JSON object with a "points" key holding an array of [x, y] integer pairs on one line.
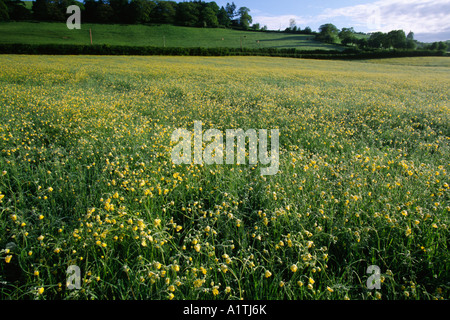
{"points": [[141, 35], [28, 4], [87, 179]]}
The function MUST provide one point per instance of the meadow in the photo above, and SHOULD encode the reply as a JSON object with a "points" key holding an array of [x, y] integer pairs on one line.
{"points": [[154, 35], [86, 179]]}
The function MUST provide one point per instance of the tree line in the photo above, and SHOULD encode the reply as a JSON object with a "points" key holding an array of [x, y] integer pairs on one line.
{"points": [[190, 14], [395, 39], [199, 14], [74, 49]]}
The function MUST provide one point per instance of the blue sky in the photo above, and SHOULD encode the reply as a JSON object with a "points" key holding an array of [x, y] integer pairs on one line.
{"points": [[428, 19]]}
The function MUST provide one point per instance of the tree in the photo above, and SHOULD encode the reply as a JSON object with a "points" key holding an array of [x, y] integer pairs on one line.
{"points": [[307, 30], [164, 12], [56, 10], [213, 5], [292, 24], [187, 14], [223, 18], [434, 46], [349, 40], [376, 40], [410, 36], [245, 18], [208, 17], [347, 36], [346, 32], [40, 10], [120, 9], [362, 43], [89, 12], [231, 10], [410, 42], [4, 16], [139, 11], [396, 39], [17, 10], [103, 13], [97, 11], [442, 46], [328, 33]]}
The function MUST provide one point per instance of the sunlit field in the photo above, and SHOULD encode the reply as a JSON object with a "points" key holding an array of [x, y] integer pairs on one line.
{"points": [[156, 35], [87, 180]]}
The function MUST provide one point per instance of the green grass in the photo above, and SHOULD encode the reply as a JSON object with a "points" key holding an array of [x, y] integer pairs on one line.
{"points": [[86, 179], [141, 35], [28, 4]]}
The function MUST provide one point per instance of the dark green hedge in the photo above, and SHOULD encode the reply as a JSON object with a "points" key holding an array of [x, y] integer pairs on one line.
{"points": [[67, 49]]}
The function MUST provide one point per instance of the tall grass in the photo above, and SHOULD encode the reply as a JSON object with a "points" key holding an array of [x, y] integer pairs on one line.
{"points": [[86, 179]]}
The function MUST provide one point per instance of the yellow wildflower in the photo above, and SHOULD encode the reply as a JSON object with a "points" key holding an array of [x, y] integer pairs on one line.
{"points": [[224, 268], [408, 232]]}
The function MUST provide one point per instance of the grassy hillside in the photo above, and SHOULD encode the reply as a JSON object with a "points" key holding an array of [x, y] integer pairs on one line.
{"points": [[171, 36], [28, 4]]}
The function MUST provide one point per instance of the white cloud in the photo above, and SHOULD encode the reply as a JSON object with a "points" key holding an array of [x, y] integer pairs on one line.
{"points": [[429, 18], [421, 16], [278, 22]]}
